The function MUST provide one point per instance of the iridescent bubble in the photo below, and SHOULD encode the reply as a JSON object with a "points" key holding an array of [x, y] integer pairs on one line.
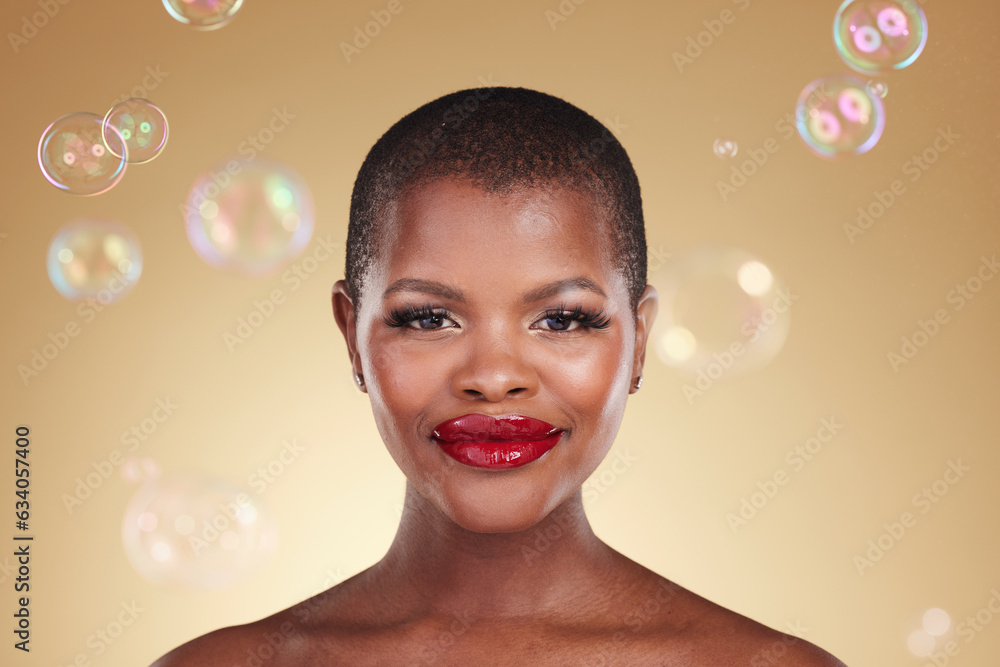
{"points": [[878, 88], [722, 312], [877, 36], [838, 115], [73, 154], [94, 257], [140, 124], [203, 14], [724, 148], [253, 215], [193, 531]]}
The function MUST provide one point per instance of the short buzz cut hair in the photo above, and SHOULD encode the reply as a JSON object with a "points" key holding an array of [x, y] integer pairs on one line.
{"points": [[500, 139]]}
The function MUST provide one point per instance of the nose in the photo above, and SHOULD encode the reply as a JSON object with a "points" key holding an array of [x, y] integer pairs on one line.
{"points": [[494, 369]]}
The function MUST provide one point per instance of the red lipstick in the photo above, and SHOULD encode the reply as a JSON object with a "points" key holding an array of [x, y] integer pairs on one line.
{"points": [[483, 441]]}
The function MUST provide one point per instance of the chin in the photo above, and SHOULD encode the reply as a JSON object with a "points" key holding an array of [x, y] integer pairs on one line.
{"points": [[496, 512]]}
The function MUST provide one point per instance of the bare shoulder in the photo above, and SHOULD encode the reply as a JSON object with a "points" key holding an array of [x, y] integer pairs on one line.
{"points": [[720, 636], [275, 640]]}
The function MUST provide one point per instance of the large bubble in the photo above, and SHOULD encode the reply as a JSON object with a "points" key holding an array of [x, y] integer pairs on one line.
{"points": [[140, 124], [253, 216], [94, 257], [193, 531], [203, 14], [839, 115], [879, 36], [74, 155], [722, 312]]}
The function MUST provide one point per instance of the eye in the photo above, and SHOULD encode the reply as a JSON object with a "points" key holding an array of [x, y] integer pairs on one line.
{"points": [[563, 320], [425, 318]]}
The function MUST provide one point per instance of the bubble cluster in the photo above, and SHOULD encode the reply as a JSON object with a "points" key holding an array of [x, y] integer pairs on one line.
{"points": [[722, 312], [140, 124], [878, 36], [724, 148], [838, 115], [94, 257], [77, 156], [203, 14], [252, 216], [193, 531]]}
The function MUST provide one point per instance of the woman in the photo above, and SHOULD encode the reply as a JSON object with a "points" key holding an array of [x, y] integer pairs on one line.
{"points": [[496, 312]]}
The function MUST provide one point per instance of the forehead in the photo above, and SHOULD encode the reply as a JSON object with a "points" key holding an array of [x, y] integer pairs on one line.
{"points": [[452, 230]]}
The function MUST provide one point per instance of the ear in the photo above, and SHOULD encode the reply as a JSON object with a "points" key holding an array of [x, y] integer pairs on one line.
{"points": [[646, 309], [344, 314]]}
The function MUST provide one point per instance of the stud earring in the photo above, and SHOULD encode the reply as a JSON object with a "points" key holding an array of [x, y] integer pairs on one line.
{"points": [[638, 383], [359, 381]]}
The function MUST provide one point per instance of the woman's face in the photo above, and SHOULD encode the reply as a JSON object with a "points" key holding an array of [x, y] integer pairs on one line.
{"points": [[502, 277]]}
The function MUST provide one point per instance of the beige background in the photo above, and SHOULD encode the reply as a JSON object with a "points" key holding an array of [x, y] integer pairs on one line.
{"points": [[336, 504]]}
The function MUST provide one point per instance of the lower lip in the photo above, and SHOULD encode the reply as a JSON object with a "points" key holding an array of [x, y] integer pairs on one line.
{"points": [[499, 455]]}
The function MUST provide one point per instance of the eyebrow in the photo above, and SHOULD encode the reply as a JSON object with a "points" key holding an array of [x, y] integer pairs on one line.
{"points": [[531, 296]]}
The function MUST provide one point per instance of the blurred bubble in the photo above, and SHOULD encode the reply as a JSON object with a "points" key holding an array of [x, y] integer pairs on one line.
{"points": [[73, 154], [724, 148], [194, 531], [838, 115], [936, 621], [253, 216], [140, 124], [878, 88], [878, 36], [203, 14], [722, 311], [920, 643], [94, 257], [135, 470]]}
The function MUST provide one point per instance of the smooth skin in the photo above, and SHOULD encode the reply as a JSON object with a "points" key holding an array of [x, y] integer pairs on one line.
{"points": [[467, 579]]}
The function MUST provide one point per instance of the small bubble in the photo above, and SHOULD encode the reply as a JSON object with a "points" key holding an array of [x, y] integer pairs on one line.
{"points": [[878, 88], [838, 115], [725, 148], [124, 118], [72, 155], [94, 257]]}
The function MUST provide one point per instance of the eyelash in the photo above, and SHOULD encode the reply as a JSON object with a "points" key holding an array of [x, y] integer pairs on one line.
{"points": [[587, 318]]}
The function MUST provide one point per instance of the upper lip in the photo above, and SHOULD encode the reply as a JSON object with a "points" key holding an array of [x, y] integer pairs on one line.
{"points": [[505, 428]]}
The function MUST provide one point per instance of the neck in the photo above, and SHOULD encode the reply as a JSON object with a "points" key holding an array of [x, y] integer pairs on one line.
{"points": [[434, 566]]}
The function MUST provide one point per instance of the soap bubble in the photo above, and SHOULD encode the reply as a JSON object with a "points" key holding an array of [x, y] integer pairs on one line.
{"points": [[94, 257], [252, 215], [838, 115], [877, 36], [203, 14], [722, 312], [724, 148], [140, 124], [73, 154], [878, 88], [193, 531]]}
